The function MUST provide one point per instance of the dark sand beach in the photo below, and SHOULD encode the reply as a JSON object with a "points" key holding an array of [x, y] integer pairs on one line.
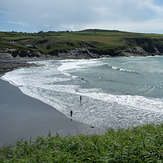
{"points": [[24, 117]]}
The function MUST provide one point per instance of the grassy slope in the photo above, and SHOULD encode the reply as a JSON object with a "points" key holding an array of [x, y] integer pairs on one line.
{"points": [[139, 144], [62, 41]]}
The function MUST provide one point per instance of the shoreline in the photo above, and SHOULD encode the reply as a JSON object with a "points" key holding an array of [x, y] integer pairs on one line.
{"points": [[38, 124], [9, 64], [34, 119]]}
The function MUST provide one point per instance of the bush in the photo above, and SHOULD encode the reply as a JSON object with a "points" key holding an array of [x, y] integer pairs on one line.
{"points": [[139, 144]]}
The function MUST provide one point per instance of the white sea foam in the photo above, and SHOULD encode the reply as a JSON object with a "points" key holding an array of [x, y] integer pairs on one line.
{"points": [[137, 102], [77, 64], [119, 69], [53, 84]]}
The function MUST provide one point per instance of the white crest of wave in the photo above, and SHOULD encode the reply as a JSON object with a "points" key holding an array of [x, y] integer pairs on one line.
{"points": [[120, 69], [137, 102], [77, 64]]}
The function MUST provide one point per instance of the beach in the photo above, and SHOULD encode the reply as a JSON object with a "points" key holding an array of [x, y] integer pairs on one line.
{"points": [[22, 117], [108, 99]]}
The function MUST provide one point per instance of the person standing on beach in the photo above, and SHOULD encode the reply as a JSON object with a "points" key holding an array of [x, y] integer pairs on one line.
{"points": [[71, 112], [80, 99]]}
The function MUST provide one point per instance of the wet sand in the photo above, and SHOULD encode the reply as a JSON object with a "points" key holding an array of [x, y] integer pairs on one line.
{"points": [[24, 117]]}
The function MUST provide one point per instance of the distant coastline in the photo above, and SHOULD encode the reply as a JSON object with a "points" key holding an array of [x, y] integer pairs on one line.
{"points": [[16, 49], [9, 64], [86, 44]]}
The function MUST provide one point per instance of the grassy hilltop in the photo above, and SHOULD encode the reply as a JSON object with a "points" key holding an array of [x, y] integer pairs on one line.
{"points": [[101, 42]]}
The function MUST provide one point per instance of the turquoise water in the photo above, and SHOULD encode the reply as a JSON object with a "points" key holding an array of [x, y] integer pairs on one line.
{"points": [[125, 76], [116, 92]]}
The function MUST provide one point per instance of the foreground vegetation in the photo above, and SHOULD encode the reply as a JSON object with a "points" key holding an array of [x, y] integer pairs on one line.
{"points": [[98, 41], [139, 144]]}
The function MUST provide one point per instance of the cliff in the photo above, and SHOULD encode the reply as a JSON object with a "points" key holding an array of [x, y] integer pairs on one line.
{"points": [[80, 44]]}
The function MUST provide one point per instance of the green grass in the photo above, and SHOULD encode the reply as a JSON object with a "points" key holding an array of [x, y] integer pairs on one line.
{"points": [[95, 40], [139, 144]]}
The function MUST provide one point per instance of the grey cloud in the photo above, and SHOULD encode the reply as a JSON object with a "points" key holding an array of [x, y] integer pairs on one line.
{"points": [[78, 14]]}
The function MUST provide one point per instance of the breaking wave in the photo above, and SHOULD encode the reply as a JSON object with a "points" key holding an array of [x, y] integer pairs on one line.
{"points": [[59, 84]]}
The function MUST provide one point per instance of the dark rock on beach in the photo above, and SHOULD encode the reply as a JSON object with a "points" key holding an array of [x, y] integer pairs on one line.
{"points": [[8, 63]]}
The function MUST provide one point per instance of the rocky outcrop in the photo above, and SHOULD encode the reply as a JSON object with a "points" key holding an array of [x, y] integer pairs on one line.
{"points": [[11, 64], [146, 48], [136, 51], [79, 53], [18, 53], [150, 46], [5, 55]]}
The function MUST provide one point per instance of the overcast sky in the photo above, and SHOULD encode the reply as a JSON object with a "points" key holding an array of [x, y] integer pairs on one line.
{"points": [[56, 15]]}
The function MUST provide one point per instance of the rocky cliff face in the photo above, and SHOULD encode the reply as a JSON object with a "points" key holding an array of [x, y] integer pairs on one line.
{"points": [[80, 53], [134, 47], [137, 47], [18, 53], [135, 51], [150, 46]]}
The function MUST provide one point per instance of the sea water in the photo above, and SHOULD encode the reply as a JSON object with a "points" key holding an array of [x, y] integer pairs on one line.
{"points": [[114, 92]]}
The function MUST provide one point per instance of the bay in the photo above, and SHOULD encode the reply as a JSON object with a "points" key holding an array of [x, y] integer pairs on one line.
{"points": [[116, 92]]}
